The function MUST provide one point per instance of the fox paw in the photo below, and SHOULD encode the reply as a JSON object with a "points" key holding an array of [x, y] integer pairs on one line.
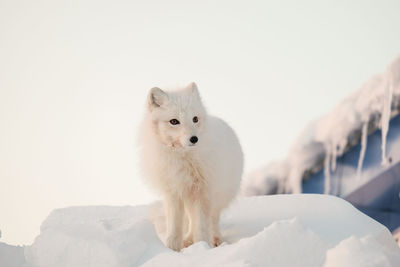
{"points": [[217, 241], [174, 243], [188, 242]]}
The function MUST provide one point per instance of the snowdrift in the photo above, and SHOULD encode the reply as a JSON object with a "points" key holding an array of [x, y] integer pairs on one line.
{"points": [[280, 230]]}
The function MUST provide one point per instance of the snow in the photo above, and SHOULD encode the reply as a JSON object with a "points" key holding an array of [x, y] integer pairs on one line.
{"points": [[268, 180], [364, 134], [387, 106], [12, 256], [360, 252], [371, 106], [95, 236], [327, 172], [263, 249], [280, 230]]}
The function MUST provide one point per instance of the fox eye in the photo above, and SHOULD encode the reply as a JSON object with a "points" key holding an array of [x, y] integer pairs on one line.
{"points": [[174, 122], [195, 119]]}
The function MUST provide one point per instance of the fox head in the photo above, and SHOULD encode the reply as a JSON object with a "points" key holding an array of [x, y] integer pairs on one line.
{"points": [[177, 117]]}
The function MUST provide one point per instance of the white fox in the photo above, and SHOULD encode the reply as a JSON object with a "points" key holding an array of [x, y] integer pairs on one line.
{"points": [[193, 160]]}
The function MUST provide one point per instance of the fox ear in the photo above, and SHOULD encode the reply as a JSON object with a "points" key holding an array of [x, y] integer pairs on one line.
{"points": [[192, 87], [157, 98]]}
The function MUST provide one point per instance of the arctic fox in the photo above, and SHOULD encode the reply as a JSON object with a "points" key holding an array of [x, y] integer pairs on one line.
{"points": [[193, 160]]}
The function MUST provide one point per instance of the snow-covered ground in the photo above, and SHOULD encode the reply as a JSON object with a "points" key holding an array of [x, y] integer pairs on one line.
{"points": [[12, 256], [280, 230]]}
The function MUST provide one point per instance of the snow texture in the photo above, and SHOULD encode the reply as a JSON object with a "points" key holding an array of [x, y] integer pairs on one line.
{"points": [[280, 230], [325, 139], [12, 256]]}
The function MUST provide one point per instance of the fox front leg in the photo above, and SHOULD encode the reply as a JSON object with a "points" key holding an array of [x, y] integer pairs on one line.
{"points": [[174, 214], [215, 227], [199, 212]]}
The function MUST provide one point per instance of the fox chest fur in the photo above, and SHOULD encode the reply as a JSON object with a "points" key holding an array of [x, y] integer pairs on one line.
{"points": [[184, 174]]}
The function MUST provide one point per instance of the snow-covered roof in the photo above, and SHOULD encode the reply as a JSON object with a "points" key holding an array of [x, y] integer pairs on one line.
{"points": [[323, 140]]}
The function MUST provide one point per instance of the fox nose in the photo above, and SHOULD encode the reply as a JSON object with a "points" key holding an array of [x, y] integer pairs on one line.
{"points": [[194, 139]]}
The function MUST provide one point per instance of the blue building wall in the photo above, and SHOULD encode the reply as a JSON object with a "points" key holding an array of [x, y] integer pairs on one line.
{"points": [[377, 193]]}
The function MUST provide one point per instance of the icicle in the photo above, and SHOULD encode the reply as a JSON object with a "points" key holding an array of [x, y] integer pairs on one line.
{"points": [[334, 157], [295, 180], [327, 173], [364, 134], [281, 186], [387, 103], [336, 186]]}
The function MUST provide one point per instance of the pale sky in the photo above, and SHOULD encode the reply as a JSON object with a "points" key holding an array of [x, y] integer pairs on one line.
{"points": [[74, 76]]}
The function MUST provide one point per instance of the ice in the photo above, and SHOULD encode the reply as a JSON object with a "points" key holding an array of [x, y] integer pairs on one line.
{"points": [[327, 173], [303, 155], [391, 99], [387, 103], [364, 133], [267, 180], [373, 104], [294, 181], [334, 158], [279, 230]]}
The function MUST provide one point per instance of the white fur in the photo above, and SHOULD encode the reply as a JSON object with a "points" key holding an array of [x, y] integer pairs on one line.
{"points": [[195, 181]]}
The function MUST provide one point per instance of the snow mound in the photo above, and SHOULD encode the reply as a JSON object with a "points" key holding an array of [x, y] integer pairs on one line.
{"points": [[263, 249], [12, 256], [361, 252], [280, 230]]}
